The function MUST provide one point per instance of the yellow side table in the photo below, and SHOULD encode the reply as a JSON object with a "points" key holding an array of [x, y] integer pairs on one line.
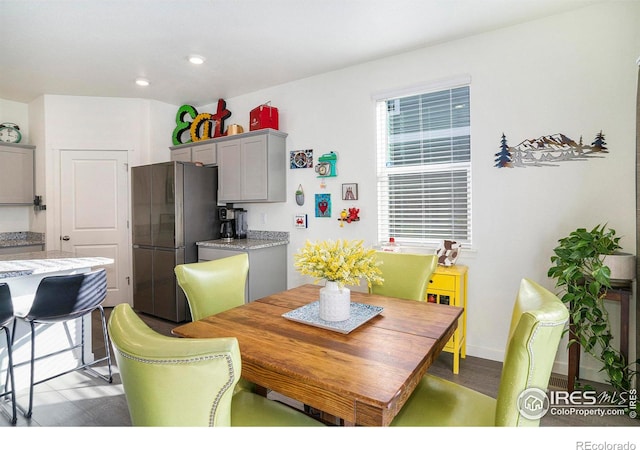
{"points": [[448, 286]]}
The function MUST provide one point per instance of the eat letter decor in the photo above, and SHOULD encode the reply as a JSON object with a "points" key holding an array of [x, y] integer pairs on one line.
{"points": [[200, 125]]}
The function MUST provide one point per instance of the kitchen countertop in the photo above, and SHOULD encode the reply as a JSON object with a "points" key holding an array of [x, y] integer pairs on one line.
{"points": [[46, 262], [255, 240], [20, 239]]}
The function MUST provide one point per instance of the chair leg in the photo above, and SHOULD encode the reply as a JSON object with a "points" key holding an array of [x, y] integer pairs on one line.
{"points": [[107, 357], [10, 376], [83, 365], [32, 365], [105, 335], [27, 413], [6, 380]]}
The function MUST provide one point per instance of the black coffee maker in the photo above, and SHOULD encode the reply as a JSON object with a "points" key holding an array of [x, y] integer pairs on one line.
{"points": [[240, 225], [227, 223]]}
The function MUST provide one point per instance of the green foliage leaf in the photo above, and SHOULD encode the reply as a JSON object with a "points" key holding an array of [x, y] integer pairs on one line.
{"points": [[577, 267], [616, 375]]}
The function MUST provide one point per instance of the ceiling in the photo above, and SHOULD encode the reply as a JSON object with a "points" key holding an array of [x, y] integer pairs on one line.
{"points": [[99, 47]]}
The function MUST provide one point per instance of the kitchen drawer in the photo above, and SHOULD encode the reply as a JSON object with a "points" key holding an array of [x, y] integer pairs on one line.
{"points": [[21, 249], [210, 254]]}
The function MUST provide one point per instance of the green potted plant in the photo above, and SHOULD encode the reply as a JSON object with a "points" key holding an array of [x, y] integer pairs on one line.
{"points": [[583, 277]]}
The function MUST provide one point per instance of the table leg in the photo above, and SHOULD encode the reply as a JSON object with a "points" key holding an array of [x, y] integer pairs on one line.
{"points": [[328, 419], [260, 390]]}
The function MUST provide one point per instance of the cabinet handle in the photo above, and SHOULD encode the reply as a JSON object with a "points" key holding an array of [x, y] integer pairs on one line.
{"points": [[65, 238]]}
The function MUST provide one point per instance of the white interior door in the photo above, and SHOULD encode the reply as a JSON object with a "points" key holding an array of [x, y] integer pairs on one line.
{"points": [[94, 201]]}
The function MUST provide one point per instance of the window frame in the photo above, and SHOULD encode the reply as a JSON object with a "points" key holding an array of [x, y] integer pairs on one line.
{"points": [[383, 187]]}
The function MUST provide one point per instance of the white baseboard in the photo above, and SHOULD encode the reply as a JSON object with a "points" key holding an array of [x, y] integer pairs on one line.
{"points": [[588, 372]]}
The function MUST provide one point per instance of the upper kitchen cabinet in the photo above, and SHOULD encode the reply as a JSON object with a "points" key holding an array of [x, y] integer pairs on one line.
{"points": [[252, 167], [16, 174], [202, 151]]}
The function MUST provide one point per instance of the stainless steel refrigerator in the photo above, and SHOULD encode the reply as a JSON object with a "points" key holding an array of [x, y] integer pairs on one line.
{"points": [[174, 206]]}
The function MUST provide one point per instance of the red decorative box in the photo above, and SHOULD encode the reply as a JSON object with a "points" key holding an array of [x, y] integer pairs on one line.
{"points": [[264, 116]]}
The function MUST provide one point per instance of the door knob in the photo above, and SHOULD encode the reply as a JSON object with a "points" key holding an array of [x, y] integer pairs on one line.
{"points": [[65, 238]]}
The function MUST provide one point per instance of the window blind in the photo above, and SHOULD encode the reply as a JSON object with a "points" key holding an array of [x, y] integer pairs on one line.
{"points": [[424, 167]]}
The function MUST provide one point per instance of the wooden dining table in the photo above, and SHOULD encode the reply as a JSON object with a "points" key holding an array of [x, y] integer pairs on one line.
{"points": [[363, 377]]}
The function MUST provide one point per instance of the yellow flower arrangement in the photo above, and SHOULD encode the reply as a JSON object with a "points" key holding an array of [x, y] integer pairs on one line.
{"points": [[342, 261]]}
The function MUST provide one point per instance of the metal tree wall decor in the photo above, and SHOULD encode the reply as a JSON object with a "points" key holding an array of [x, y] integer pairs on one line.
{"points": [[548, 150]]}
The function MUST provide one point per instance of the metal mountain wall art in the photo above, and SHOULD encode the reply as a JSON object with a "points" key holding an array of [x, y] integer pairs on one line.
{"points": [[548, 150]]}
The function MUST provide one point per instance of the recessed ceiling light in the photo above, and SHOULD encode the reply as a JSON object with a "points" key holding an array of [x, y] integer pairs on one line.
{"points": [[142, 82], [196, 59]]}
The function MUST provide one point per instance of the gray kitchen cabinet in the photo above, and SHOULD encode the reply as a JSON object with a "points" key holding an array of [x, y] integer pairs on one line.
{"points": [[21, 249], [202, 151], [252, 167], [267, 268], [16, 174], [181, 154]]}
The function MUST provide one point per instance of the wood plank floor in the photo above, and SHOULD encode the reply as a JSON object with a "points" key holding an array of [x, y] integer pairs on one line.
{"points": [[81, 400]]}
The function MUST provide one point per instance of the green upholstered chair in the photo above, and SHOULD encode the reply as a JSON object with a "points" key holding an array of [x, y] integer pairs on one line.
{"points": [[214, 286], [187, 382], [537, 324], [405, 274]]}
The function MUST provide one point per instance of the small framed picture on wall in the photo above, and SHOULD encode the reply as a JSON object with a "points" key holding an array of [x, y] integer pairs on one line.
{"points": [[350, 191], [300, 221], [323, 205]]}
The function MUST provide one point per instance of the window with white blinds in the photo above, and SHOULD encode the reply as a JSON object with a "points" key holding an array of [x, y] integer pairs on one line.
{"points": [[424, 167]]}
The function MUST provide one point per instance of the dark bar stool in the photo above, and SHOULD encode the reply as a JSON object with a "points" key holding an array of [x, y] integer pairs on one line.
{"points": [[6, 317], [62, 298]]}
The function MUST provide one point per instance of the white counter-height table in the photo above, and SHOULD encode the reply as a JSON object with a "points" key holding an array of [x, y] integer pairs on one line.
{"points": [[23, 272]]}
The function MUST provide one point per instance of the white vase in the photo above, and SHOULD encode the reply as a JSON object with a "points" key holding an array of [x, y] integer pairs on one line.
{"points": [[335, 302], [622, 266]]}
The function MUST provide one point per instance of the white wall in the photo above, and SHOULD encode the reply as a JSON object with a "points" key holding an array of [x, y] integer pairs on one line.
{"points": [[17, 113], [55, 122], [97, 123], [573, 73]]}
